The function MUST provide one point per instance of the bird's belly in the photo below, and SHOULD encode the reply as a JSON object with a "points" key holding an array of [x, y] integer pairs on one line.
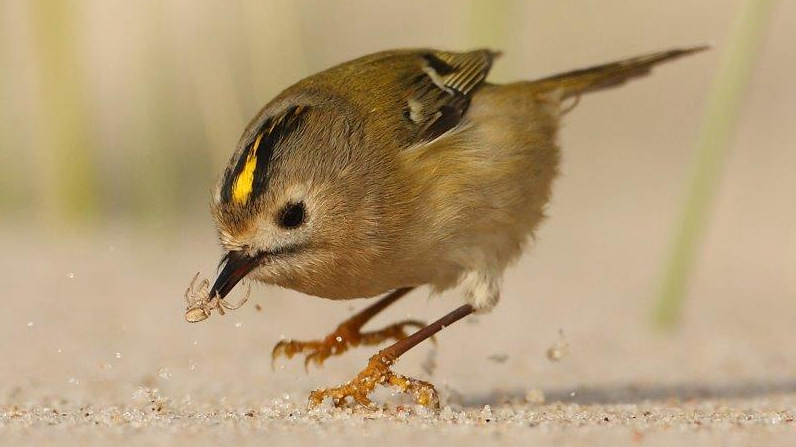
{"points": [[350, 283], [488, 186]]}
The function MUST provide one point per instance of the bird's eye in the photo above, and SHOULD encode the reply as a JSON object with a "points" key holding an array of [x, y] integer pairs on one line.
{"points": [[292, 216]]}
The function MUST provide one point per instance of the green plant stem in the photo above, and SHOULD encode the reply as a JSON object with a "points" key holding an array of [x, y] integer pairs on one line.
{"points": [[72, 187], [712, 146]]}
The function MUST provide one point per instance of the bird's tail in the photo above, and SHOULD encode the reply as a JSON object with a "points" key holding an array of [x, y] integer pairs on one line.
{"points": [[577, 82]]}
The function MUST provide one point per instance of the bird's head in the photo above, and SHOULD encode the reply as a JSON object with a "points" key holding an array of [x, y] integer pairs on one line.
{"points": [[297, 202]]}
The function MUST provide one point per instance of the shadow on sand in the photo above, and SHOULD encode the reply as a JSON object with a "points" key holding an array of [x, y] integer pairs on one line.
{"points": [[630, 394]]}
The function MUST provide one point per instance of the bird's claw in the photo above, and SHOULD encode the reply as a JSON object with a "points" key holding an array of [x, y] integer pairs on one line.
{"points": [[346, 335], [376, 373], [315, 351]]}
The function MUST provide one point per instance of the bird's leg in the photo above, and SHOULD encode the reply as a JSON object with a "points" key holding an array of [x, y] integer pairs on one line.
{"points": [[348, 334], [378, 370]]}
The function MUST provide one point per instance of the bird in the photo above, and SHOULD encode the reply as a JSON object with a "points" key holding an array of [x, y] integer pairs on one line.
{"points": [[392, 171]]}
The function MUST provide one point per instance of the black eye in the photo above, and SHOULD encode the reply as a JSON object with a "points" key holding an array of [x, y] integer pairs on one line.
{"points": [[292, 216]]}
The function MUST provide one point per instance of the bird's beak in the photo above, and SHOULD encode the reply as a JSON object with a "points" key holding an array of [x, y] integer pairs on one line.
{"points": [[236, 265]]}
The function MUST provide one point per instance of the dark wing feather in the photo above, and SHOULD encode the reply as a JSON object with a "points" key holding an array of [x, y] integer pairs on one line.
{"points": [[438, 96]]}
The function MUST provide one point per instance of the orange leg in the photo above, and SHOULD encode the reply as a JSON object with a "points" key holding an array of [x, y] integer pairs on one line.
{"points": [[378, 370], [348, 334]]}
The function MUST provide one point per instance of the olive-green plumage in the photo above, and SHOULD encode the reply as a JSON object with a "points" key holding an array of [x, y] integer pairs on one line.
{"points": [[399, 169]]}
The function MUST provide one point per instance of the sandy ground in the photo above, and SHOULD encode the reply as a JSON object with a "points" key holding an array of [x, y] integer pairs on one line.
{"points": [[95, 352]]}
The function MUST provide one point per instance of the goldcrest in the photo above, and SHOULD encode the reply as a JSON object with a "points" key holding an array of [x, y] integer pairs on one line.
{"points": [[396, 170]]}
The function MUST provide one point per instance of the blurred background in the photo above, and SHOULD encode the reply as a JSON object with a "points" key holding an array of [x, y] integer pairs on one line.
{"points": [[117, 118]]}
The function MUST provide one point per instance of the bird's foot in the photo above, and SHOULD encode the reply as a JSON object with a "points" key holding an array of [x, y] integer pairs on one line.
{"points": [[345, 336], [376, 373]]}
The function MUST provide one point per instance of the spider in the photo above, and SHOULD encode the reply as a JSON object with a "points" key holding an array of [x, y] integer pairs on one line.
{"points": [[200, 304]]}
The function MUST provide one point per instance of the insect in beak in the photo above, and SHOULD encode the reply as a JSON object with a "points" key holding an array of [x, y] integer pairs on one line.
{"points": [[201, 302]]}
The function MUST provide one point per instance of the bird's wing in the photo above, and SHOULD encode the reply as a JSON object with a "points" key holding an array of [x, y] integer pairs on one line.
{"points": [[438, 90]]}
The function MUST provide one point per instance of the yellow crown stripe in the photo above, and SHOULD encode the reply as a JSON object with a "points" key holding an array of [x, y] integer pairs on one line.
{"points": [[242, 188]]}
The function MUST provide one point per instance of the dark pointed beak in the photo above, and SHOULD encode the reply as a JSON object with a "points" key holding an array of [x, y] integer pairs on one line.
{"points": [[234, 266]]}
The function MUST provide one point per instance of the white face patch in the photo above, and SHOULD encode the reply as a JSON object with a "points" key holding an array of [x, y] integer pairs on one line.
{"points": [[268, 234], [296, 193], [228, 241]]}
